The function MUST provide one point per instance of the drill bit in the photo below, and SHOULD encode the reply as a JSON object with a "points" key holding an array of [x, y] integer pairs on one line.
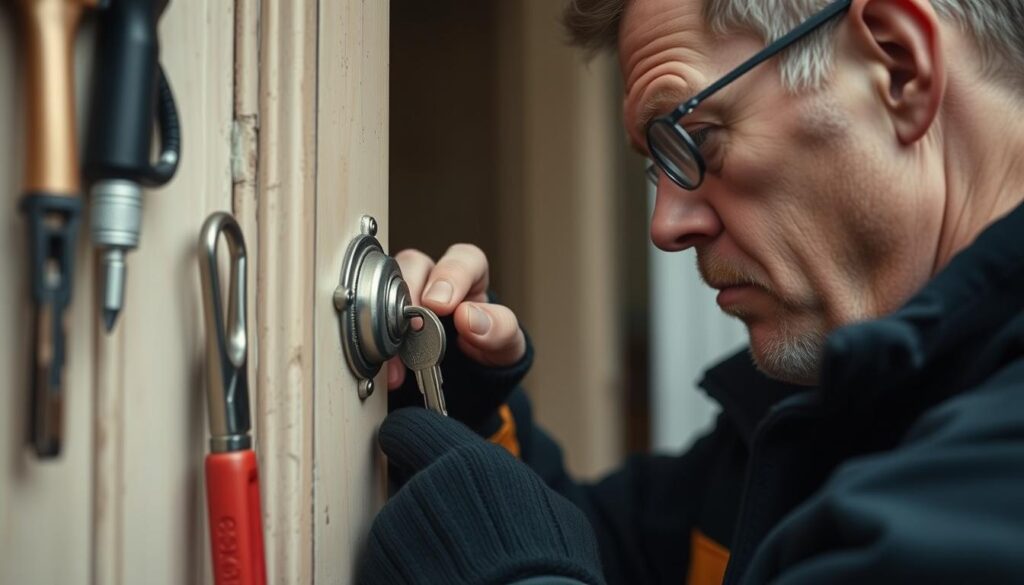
{"points": [[116, 222], [113, 274]]}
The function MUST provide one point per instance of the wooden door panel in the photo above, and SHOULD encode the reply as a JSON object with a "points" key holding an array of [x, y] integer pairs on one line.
{"points": [[352, 167]]}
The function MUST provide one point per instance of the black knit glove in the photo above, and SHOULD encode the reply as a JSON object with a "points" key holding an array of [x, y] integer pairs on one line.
{"points": [[473, 392], [470, 514]]}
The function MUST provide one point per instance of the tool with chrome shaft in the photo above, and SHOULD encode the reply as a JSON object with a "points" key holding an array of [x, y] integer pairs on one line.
{"points": [[232, 480], [130, 91], [51, 201]]}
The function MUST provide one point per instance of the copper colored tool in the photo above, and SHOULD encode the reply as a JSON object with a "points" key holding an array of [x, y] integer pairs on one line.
{"points": [[51, 199]]}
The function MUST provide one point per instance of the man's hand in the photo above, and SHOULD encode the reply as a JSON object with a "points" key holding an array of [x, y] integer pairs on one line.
{"points": [[470, 513], [457, 285]]}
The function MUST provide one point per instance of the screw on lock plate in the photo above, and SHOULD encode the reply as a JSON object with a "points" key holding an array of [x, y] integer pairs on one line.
{"points": [[371, 300]]}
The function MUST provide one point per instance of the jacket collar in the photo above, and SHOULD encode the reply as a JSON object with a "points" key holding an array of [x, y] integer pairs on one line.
{"points": [[962, 326], [744, 392]]}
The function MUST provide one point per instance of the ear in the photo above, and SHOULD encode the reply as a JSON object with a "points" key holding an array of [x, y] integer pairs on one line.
{"points": [[900, 39]]}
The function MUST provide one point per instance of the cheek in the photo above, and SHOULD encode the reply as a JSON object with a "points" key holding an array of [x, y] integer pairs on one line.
{"points": [[891, 220], [842, 227], [808, 216], [820, 204], [770, 210], [874, 205]]}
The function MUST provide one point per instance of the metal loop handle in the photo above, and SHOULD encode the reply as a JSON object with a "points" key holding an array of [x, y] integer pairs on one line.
{"points": [[226, 339]]}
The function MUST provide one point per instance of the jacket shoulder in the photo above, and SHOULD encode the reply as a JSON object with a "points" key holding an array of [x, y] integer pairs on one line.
{"points": [[992, 411], [942, 506]]}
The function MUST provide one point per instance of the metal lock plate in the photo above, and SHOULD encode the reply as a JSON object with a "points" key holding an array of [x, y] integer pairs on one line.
{"points": [[371, 300]]}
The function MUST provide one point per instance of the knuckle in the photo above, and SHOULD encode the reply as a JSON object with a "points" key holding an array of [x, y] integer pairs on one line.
{"points": [[512, 326], [412, 256], [507, 325], [454, 269], [464, 247], [471, 252]]}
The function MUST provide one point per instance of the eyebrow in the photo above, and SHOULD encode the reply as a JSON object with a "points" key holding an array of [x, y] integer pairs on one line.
{"points": [[658, 104]]}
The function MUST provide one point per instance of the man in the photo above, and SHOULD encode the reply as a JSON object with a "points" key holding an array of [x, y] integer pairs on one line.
{"points": [[856, 199]]}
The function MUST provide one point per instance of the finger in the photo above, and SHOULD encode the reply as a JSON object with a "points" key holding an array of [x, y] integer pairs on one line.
{"points": [[396, 373], [460, 275], [416, 267], [492, 331], [413, 438]]}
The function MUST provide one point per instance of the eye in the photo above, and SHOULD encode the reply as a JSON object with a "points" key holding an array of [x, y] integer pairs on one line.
{"points": [[701, 135]]}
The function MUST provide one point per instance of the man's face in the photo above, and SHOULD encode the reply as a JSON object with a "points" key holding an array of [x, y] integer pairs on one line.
{"points": [[812, 214]]}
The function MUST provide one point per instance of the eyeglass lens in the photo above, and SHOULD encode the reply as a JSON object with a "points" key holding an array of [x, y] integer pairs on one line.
{"points": [[676, 157]]}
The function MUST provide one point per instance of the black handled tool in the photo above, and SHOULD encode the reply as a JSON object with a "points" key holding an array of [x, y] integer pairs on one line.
{"points": [[130, 94]]}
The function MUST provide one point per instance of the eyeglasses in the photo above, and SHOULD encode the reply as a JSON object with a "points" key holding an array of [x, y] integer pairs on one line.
{"points": [[674, 151]]}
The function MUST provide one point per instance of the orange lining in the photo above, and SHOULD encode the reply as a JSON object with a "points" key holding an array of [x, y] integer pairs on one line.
{"points": [[707, 560], [506, 435]]}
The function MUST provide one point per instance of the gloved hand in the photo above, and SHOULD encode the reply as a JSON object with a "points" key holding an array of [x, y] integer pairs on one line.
{"points": [[470, 513]]}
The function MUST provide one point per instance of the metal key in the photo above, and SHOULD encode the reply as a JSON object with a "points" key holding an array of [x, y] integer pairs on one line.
{"points": [[422, 352]]}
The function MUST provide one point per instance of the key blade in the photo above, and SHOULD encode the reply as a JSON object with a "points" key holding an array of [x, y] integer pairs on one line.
{"points": [[422, 352], [429, 381]]}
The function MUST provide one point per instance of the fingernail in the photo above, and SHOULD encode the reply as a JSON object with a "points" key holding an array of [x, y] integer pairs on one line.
{"points": [[479, 322], [440, 292]]}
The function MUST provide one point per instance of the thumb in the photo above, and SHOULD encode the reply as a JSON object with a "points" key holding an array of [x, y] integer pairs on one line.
{"points": [[413, 438]]}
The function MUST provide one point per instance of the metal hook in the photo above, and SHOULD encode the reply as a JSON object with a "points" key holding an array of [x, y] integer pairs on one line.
{"points": [[226, 343]]}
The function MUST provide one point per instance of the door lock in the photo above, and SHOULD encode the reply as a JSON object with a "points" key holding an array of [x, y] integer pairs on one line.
{"points": [[371, 300]]}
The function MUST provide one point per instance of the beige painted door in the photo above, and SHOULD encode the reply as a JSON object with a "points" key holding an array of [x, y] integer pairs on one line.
{"points": [[284, 114]]}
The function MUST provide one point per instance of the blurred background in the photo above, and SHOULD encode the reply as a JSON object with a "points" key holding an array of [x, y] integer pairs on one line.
{"points": [[505, 137]]}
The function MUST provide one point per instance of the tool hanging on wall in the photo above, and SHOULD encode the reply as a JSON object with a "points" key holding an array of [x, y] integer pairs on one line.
{"points": [[130, 91], [232, 478], [51, 201]]}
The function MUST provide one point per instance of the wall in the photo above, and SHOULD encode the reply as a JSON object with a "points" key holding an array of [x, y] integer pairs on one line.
{"points": [[124, 502], [284, 120]]}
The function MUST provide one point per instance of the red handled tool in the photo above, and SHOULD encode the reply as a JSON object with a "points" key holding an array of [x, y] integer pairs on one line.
{"points": [[232, 480]]}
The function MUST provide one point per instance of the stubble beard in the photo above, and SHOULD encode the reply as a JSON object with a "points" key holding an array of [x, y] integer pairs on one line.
{"points": [[791, 356], [794, 351]]}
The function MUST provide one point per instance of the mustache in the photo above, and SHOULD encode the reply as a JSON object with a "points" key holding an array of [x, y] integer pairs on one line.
{"points": [[719, 273]]}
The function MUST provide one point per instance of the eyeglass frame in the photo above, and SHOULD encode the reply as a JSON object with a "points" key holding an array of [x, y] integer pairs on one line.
{"points": [[671, 120]]}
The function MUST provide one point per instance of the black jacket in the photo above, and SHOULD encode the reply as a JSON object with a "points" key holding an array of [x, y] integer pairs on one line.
{"points": [[906, 465]]}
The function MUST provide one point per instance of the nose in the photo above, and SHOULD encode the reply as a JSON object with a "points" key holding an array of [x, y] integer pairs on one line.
{"points": [[682, 219]]}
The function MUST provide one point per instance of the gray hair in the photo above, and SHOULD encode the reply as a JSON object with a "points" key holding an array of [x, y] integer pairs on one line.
{"points": [[997, 27]]}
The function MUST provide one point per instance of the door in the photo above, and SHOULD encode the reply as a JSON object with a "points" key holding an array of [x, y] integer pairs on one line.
{"points": [[284, 123]]}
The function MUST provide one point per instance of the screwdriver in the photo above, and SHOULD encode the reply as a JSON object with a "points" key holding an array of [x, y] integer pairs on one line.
{"points": [[51, 201], [130, 91], [232, 479]]}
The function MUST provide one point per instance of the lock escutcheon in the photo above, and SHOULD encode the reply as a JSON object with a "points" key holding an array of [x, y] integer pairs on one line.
{"points": [[371, 300]]}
